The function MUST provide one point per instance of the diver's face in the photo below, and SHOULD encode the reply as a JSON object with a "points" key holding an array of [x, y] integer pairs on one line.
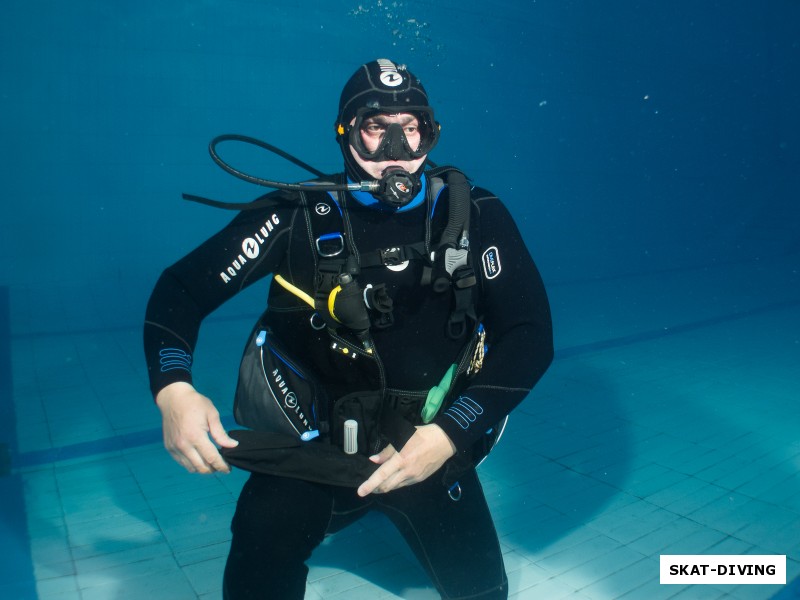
{"points": [[372, 131]]}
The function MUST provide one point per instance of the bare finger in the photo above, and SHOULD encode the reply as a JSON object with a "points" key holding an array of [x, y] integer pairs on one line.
{"points": [[212, 459], [219, 434], [372, 484]]}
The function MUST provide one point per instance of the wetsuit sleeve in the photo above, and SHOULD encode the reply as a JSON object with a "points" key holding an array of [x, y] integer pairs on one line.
{"points": [[246, 250], [518, 327]]}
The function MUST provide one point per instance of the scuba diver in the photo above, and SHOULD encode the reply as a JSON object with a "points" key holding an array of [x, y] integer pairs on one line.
{"points": [[405, 320]]}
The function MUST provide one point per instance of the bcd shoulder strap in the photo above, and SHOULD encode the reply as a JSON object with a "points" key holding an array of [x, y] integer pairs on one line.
{"points": [[447, 264]]}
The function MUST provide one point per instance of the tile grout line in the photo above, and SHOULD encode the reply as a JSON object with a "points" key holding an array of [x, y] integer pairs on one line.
{"points": [[16, 571], [151, 436]]}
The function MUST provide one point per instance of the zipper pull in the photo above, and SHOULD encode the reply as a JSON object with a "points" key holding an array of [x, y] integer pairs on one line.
{"points": [[261, 338], [307, 436]]}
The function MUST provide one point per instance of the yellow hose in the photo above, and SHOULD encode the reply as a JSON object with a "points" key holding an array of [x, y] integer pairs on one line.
{"points": [[295, 290], [332, 301]]}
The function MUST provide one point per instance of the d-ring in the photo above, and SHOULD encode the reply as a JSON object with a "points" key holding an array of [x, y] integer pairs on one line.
{"points": [[455, 492], [320, 323]]}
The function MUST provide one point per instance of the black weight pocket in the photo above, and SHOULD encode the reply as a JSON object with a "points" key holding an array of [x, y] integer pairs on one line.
{"points": [[275, 393]]}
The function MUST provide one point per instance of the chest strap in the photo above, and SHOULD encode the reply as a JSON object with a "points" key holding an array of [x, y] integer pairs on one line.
{"points": [[397, 255]]}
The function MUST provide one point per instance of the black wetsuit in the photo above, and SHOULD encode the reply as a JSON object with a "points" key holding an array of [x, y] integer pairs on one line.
{"points": [[455, 541]]}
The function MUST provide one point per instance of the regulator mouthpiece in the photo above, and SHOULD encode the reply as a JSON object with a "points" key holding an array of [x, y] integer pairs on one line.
{"points": [[397, 187]]}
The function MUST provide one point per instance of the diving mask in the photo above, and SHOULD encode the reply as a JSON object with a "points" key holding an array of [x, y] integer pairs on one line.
{"points": [[392, 143]]}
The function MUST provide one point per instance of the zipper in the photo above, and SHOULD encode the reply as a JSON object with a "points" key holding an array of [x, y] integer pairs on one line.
{"points": [[269, 387], [310, 433]]}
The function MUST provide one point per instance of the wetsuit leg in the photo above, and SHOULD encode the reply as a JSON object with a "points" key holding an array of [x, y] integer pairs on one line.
{"points": [[456, 542], [277, 524]]}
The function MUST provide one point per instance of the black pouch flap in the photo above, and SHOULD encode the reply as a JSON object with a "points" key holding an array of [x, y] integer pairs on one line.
{"points": [[286, 456]]}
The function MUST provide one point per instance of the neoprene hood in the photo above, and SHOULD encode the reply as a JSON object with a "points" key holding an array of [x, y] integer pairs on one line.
{"points": [[383, 86]]}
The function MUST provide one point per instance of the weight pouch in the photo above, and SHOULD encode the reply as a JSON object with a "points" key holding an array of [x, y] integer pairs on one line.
{"points": [[275, 393], [379, 422]]}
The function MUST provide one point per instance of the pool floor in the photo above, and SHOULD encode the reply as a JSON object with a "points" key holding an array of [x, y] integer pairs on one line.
{"points": [[669, 423]]}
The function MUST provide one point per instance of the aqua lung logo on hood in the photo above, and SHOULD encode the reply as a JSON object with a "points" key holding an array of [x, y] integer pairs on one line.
{"points": [[390, 77], [251, 248]]}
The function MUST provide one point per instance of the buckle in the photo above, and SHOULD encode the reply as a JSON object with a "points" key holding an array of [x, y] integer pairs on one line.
{"points": [[391, 257], [464, 277], [330, 244]]}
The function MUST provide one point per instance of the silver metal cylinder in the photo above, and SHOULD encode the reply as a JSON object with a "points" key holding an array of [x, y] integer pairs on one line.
{"points": [[350, 436]]}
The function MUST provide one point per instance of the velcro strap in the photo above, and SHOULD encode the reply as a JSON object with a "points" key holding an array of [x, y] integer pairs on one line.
{"points": [[464, 307]]}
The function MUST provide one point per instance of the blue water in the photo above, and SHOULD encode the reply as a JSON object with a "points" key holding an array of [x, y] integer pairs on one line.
{"points": [[649, 151]]}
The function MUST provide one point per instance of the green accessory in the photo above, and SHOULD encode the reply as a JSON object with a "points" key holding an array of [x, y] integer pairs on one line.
{"points": [[437, 394]]}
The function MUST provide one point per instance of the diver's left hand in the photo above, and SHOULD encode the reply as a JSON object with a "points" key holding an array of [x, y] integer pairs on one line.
{"points": [[424, 453]]}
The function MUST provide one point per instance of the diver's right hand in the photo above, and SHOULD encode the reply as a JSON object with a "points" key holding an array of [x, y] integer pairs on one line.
{"points": [[188, 420]]}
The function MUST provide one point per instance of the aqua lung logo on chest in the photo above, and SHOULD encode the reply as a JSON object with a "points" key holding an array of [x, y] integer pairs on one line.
{"points": [[251, 248], [282, 393], [491, 262]]}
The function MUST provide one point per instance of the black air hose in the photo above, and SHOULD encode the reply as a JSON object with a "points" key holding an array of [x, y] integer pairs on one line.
{"points": [[459, 209]]}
